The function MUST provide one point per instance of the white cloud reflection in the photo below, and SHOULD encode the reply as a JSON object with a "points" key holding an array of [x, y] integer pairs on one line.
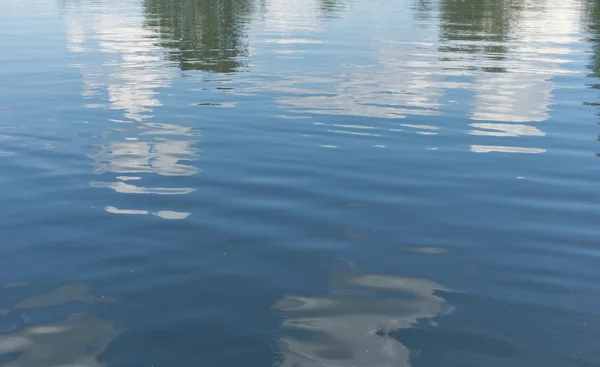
{"points": [[491, 129], [505, 149], [123, 188], [165, 158], [72, 340], [352, 327], [524, 92], [164, 214], [113, 210], [167, 214], [124, 70], [128, 77], [510, 81]]}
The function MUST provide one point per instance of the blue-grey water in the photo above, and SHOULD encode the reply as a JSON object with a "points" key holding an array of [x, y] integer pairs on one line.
{"points": [[299, 183]]}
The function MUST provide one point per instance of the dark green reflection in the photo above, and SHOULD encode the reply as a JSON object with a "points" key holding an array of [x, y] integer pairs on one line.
{"points": [[592, 21], [424, 10], [591, 16], [480, 26], [205, 35], [332, 8]]}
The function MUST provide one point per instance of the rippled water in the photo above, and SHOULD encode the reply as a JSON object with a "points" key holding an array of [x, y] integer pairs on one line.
{"points": [[299, 183]]}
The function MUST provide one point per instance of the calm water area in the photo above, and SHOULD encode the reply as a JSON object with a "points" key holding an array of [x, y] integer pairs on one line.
{"points": [[299, 183]]}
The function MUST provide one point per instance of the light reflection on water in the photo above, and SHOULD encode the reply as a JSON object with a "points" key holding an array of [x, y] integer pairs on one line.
{"points": [[254, 131], [353, 326], [129, 77], [76, 339], [133, 72]]}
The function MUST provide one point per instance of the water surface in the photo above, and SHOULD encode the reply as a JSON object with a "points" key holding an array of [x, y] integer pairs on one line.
{"points": [[299, 183]]}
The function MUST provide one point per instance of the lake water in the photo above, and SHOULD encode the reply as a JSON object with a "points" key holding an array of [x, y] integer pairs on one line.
{"points": [[299, 183]]}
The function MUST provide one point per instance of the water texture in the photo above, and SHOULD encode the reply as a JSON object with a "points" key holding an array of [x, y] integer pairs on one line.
{"points": [[299, 183]]}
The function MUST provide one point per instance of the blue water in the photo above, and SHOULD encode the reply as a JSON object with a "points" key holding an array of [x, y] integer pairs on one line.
{"points": [[299, 183]]}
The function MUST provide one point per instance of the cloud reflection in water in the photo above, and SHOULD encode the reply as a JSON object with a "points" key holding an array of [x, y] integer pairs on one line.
{"points": [[352, 327], [76, 340]]}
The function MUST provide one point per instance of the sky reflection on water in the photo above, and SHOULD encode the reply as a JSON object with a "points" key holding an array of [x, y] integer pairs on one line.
{"points": [[209, 160]]}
